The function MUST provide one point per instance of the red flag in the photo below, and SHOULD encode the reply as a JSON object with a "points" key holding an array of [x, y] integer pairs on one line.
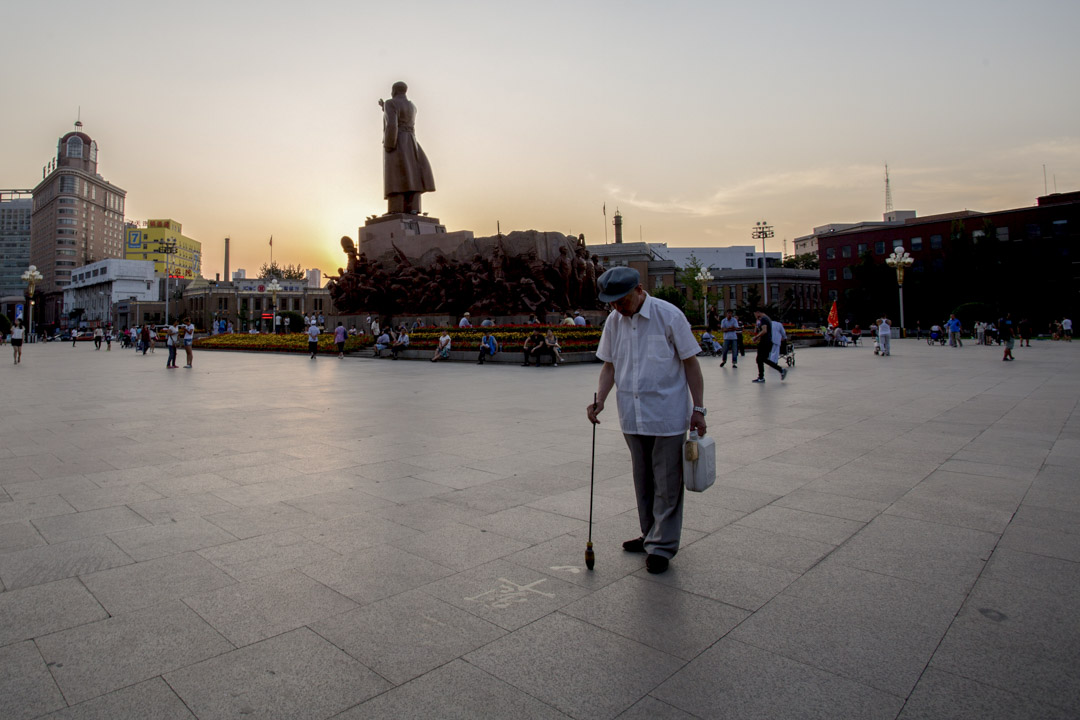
{"points": [[834, 316], [272, 245]]}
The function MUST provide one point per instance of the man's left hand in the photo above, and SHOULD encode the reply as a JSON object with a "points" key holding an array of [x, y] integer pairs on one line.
{"points": [[697, 422]]}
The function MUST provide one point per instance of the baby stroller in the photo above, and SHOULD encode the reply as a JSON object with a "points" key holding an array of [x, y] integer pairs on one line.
{"points": [[709, 346]]}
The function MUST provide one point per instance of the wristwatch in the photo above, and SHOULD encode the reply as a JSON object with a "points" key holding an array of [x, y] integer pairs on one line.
{"points": [[701, 410]]}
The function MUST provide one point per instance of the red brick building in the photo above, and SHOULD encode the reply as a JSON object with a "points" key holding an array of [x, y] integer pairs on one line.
{"points": [[1025, 261]]}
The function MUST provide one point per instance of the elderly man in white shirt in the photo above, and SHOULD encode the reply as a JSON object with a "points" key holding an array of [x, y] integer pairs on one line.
{"points": [[649, 355]]}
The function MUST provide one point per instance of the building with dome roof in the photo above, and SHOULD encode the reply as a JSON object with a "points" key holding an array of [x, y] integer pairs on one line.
{"points": [[78, 218]]}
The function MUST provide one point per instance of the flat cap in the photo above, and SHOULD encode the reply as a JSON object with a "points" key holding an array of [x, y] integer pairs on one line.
{"points": [[617, 283]]}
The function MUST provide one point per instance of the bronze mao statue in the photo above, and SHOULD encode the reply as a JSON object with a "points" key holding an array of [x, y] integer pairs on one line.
{"points": [[406, 171]]}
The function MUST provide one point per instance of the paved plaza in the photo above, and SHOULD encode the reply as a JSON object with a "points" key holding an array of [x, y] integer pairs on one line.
{"points": [[271, 536]]}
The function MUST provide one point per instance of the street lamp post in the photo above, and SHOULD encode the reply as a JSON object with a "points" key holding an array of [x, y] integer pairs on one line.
{"points": [[274, 287], [762, 231], [703, 277], [31, 277], [168, 247], [901, 260]]}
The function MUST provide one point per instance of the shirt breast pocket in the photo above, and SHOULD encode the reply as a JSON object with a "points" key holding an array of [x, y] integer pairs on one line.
{"points": [[658, 348]]}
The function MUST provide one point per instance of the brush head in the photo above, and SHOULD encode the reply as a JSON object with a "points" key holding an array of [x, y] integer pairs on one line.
{"points": [[590, 557]]}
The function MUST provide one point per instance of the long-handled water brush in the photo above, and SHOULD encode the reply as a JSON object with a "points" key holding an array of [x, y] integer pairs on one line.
{"points": [[590, 557]]}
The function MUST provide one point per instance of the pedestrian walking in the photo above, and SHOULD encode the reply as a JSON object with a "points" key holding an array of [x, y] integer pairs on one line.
{"points": [[884, 335], [650, 359], [732, 329], [313, 338], [99, 335], [144, 338], [1005, 332], [339, 339], [764, 339], [17, 335], [189, 340], [1066, 329]]}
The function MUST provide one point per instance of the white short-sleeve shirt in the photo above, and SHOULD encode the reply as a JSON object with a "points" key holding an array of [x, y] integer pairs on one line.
{"points": [[647, 351]]}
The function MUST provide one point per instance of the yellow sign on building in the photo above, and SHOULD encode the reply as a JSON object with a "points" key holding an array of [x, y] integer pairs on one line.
{"points": [[147, 241]]}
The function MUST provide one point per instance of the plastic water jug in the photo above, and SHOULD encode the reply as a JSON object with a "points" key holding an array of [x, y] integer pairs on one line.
{"points": [[699, 463]]}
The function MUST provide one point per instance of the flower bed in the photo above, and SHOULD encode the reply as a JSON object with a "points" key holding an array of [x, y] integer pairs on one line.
{"points": [[291, 342], [511, 338]]}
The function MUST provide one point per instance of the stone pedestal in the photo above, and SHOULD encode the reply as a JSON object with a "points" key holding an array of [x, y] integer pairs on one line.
{"points": [[414, 235]]}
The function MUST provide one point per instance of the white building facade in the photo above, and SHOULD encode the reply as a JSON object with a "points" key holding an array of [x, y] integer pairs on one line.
{"points": [[97, 288]]}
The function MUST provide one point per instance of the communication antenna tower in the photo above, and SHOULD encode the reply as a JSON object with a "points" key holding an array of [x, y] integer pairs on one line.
{"points": [[888, 191]]}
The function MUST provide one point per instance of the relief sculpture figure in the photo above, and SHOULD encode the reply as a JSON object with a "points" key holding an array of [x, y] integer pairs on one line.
{"points": [[406, 171]]}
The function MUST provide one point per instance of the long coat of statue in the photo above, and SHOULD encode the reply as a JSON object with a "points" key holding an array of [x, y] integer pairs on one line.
{"points": [[405, 167]]}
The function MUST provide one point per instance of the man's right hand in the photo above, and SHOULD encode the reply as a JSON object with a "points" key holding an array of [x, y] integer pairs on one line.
{"points": [[594, 409]]}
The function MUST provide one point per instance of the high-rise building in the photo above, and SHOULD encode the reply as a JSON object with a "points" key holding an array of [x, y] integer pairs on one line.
{"points": [[16, 207], [148, 240], [78, 218]]}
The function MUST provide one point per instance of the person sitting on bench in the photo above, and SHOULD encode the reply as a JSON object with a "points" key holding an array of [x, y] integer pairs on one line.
{"points": [[532, 345], [488, 347], [402, 343]]}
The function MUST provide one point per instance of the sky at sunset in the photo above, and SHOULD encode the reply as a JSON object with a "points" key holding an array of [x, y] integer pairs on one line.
{"points": [[695, 119]]}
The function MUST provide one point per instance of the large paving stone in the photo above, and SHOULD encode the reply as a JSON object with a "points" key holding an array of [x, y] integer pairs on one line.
{"points": [[944, 695], [505, 594], [460, 547], [42, 609], [295, 675], [265, 555], [63, 528], [54, 562], [375, 573], [94, 659], [132, 587], [688, 625], [736, 680], [153, 541], [407, 635], [580, 669], [27, 690], [877, 630], [455, 691], [149, 700], [257, 609]]}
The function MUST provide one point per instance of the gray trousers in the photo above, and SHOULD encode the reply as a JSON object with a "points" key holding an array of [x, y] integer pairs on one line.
{"points": [[883, 343], [659, 486]]}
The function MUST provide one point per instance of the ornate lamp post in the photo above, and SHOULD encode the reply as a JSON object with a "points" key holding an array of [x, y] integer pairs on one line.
{"points": [[762, 231], [703, 277], [901, 260], [31, 277], [274, 287], [168, 247]]}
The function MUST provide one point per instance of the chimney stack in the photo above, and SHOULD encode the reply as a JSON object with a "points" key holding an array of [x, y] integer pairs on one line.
{"points": [[618, 228], [227, 276]]}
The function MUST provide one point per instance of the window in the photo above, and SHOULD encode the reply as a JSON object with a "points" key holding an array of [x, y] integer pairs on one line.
{"points": [[862, 249], [831, 274], [1060, 228], [731, 290], [833, 295], [845, 251], [74, 147], [898, 244], [847, 273], [935, 242], [68, 184], [879, 247], [1034, 232], [830, 253], [66, 201], [1003, 234], [749, 262], [977, 235], [916, 244], [105, 271]]}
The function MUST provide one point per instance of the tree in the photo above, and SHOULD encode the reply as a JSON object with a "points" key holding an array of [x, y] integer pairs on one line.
{"points": [[688, 276], [673, 295], [282, 272], [806, 261]]}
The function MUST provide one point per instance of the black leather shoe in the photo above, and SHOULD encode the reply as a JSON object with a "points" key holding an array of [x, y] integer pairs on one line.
{"points": [[637, 545], [656, 564]]}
